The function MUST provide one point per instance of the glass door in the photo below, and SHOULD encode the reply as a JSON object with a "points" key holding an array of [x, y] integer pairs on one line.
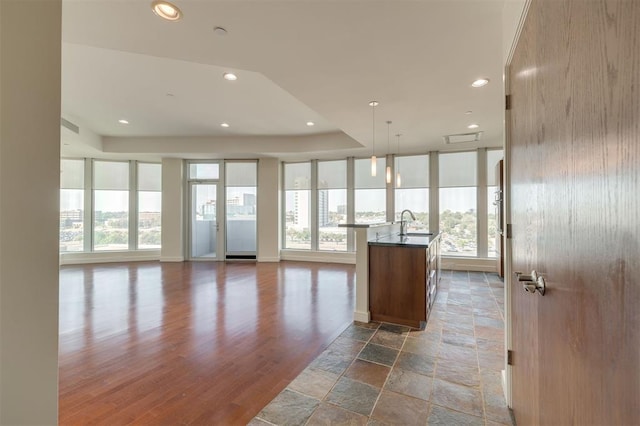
{"points": [[241, 179], [204, 220]]}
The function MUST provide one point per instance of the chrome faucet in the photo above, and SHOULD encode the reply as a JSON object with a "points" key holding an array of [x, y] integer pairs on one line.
{"points": [[403, 223]]}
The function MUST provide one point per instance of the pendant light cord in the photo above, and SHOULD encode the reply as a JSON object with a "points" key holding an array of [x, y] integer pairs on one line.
{"points": [[373, 128]]}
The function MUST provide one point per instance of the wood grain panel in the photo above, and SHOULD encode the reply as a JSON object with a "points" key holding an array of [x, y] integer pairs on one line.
{"points": [[575, 168], [397, 284], [194, 342]]}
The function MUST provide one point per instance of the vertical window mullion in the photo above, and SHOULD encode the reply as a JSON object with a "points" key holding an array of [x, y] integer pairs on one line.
{"points": [[133, 205]]}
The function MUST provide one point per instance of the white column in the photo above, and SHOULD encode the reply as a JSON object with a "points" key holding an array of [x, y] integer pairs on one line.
{"points": [[30, 52], [362, 313], [173, 224], [269, 202]]}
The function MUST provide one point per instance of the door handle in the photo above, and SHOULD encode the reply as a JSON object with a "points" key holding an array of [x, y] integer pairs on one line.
{"points": [[532, 283]]}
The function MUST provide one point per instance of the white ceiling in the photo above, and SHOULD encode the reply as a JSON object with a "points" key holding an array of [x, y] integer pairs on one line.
{"points": [[297, 61]]}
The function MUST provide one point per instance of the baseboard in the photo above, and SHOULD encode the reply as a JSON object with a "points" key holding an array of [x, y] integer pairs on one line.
{"points": [[171, 259], [361, 316], [109, 257], [469, 264], [268, 259], [317, 256]]}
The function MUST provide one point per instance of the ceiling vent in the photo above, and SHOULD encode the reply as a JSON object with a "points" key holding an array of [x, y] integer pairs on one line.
{"points": [[69, 125], [463, 137]]}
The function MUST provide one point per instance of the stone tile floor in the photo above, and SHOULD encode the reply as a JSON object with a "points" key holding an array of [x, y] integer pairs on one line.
{"points": [[384, 374]]}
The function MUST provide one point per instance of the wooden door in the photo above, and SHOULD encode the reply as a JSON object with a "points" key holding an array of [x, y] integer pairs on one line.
{"points": [[575, 213]]}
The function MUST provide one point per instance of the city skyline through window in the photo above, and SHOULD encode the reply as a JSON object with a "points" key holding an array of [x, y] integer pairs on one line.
{"points": [[332, 205]]}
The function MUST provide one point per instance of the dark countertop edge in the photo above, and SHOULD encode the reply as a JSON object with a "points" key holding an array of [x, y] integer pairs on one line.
{"points": [[411, 241]]}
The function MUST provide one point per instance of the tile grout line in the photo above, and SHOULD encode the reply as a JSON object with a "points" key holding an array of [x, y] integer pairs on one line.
{"points": [[341, 375], [395, 361]]}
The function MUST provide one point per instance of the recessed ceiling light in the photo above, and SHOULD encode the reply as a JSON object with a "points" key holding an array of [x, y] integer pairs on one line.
{"points": [[224, 124], [230, 76], [480, 82], [310, 123], [374, 103], [170, 95], [123, 121], [219, 31], [473, 126], [469, 112], [166, 10]]}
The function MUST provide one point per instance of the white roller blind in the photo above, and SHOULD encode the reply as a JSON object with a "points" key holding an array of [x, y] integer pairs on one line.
{"points": [[241, 174], [112, 175], [204, 171], [457, 169], [297, 176], [71, 174], [149, 177], [414, 171], [332, 174], [363, 178]]}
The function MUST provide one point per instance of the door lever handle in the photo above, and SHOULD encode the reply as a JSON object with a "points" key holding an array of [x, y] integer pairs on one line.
{"points": [[532, 283]]}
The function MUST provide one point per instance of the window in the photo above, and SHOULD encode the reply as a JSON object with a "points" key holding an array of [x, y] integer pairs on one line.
{"points": [[493, 157], [413, 194], [458, 203], [111, 205], [332, 205], [71, 205], [370, 194], [149, 205], [241, 204], [204, 171], [297, 185]]}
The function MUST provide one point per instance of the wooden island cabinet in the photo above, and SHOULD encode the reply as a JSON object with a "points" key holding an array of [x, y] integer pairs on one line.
{"points": [[403, 278]]}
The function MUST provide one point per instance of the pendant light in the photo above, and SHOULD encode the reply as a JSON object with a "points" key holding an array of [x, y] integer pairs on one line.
{"points": [[398, 178], [374, 160], [388, 152]]}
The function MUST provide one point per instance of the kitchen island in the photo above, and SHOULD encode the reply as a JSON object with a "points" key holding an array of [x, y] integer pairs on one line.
{"points": [[364, 233], [403, 273]]}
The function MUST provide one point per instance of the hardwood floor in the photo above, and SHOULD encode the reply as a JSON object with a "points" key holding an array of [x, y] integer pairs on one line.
{"points": [[193, 342]]}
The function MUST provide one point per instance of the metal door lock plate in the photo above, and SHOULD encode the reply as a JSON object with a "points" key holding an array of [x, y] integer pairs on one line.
{"points": [[532, 283]]}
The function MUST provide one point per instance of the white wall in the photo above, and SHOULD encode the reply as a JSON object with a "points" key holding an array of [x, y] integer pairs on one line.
{"points": [[30, 51], [268, 210], [172, 210]]}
